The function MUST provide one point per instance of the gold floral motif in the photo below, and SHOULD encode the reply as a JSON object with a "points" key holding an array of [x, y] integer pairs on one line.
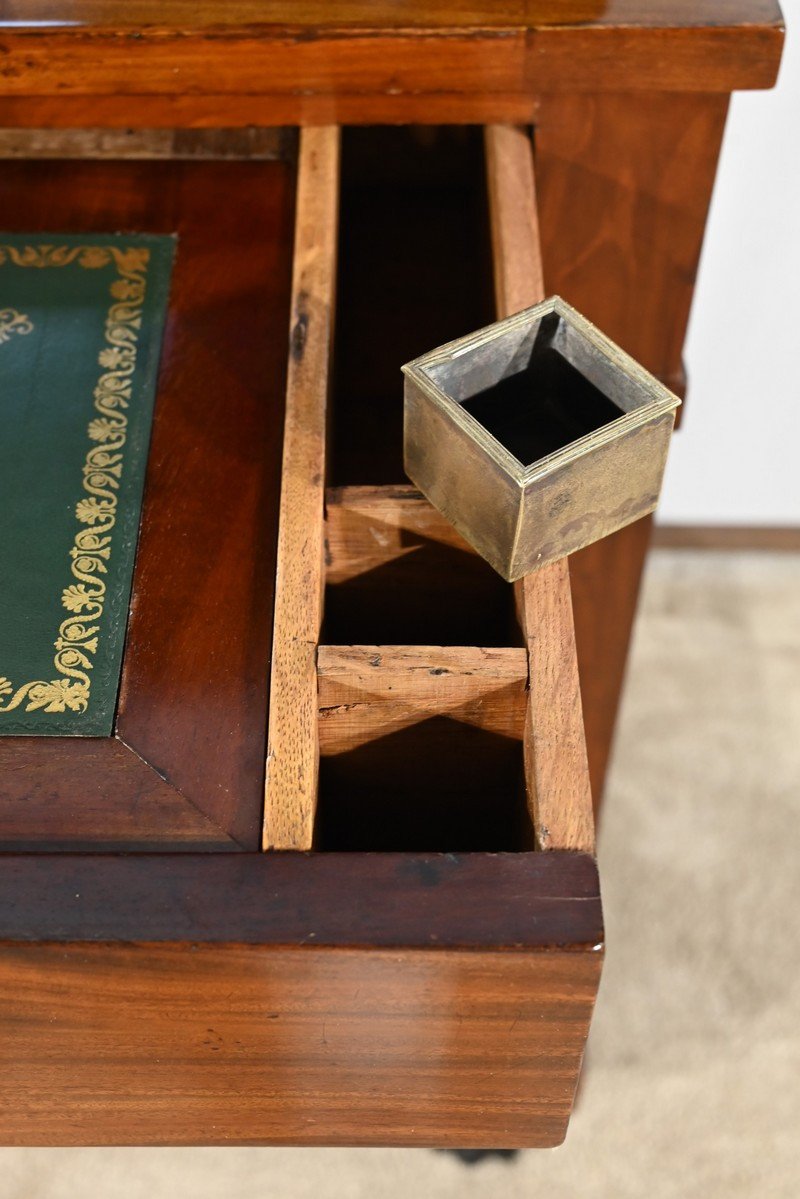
{"points": [[12, 322], [77, 638], [57, 696]]}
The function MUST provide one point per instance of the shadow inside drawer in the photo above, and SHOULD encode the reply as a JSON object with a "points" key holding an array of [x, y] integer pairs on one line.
{"points": [[440, 786], [414, 272], [432, 595]]}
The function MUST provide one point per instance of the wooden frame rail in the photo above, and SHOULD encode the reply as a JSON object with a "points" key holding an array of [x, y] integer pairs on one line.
{"points": [[292, 739], [556, 765]]}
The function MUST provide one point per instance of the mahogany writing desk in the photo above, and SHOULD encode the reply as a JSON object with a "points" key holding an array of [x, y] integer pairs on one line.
{"points": [[419, 964]]}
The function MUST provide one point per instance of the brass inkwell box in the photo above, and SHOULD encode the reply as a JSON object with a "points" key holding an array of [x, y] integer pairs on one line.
{"points": [[536, 436]]}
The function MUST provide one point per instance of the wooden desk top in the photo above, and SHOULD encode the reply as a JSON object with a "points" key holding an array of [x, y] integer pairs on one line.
{"points": [[265, 62]]}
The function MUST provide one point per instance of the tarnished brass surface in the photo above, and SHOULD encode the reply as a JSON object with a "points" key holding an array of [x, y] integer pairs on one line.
{"points": [[520, 515]]}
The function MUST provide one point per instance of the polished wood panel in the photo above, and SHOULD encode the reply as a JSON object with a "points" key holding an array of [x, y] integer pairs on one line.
{"points": [[193, 699], [395, 901], [293, 743], [368, 64], [624, 188], [556, 768], [183, 999], [205, 1044], [204, 111], [84, 793], [293, 998]]}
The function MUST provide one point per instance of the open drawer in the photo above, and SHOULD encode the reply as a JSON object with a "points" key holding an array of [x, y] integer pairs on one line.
{"points": [[418, 965]]}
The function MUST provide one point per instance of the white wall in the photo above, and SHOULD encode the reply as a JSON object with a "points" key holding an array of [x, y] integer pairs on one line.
{"points": [[736, 459]]}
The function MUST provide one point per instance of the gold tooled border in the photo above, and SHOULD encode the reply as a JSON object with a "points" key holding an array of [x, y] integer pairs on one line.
{"points": [[78, 634]]}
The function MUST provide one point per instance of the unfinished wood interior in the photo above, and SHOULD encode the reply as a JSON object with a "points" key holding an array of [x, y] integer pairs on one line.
{"points": [[292, 739], [430, 733], [554, 742]]}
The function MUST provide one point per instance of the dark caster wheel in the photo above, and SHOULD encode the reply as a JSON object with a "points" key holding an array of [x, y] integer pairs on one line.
{"points": [[471, 1157]]}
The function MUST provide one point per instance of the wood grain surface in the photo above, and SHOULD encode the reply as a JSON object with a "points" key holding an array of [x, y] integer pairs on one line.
{"points": [[370, 691], [291, 998], [294, 999], [93, 793], [293, 743], [191, 722], [244, 1044], [374, 998], [415, 900], [556, 767], [513, 219], [182, 64], [623, 191]]}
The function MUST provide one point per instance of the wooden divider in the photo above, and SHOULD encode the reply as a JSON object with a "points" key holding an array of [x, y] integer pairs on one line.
{"points": [[331, 699], [369, 691], [556, 766], [292, 739], [368, 526]]}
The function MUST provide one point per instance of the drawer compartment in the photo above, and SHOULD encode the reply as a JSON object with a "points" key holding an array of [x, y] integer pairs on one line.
{"points": [[368, 573]]}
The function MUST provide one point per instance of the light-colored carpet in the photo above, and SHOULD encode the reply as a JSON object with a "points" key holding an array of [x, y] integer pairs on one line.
{"points": [[693, 1081]]}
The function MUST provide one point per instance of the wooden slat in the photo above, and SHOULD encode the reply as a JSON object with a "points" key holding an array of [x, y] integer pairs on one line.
{"points": [[369, 691], [516, 251], [365, 527], [292, 751], [556, 767]]}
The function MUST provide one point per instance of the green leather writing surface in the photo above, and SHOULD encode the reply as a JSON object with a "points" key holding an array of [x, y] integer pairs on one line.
{"points": [[81, 321]]}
